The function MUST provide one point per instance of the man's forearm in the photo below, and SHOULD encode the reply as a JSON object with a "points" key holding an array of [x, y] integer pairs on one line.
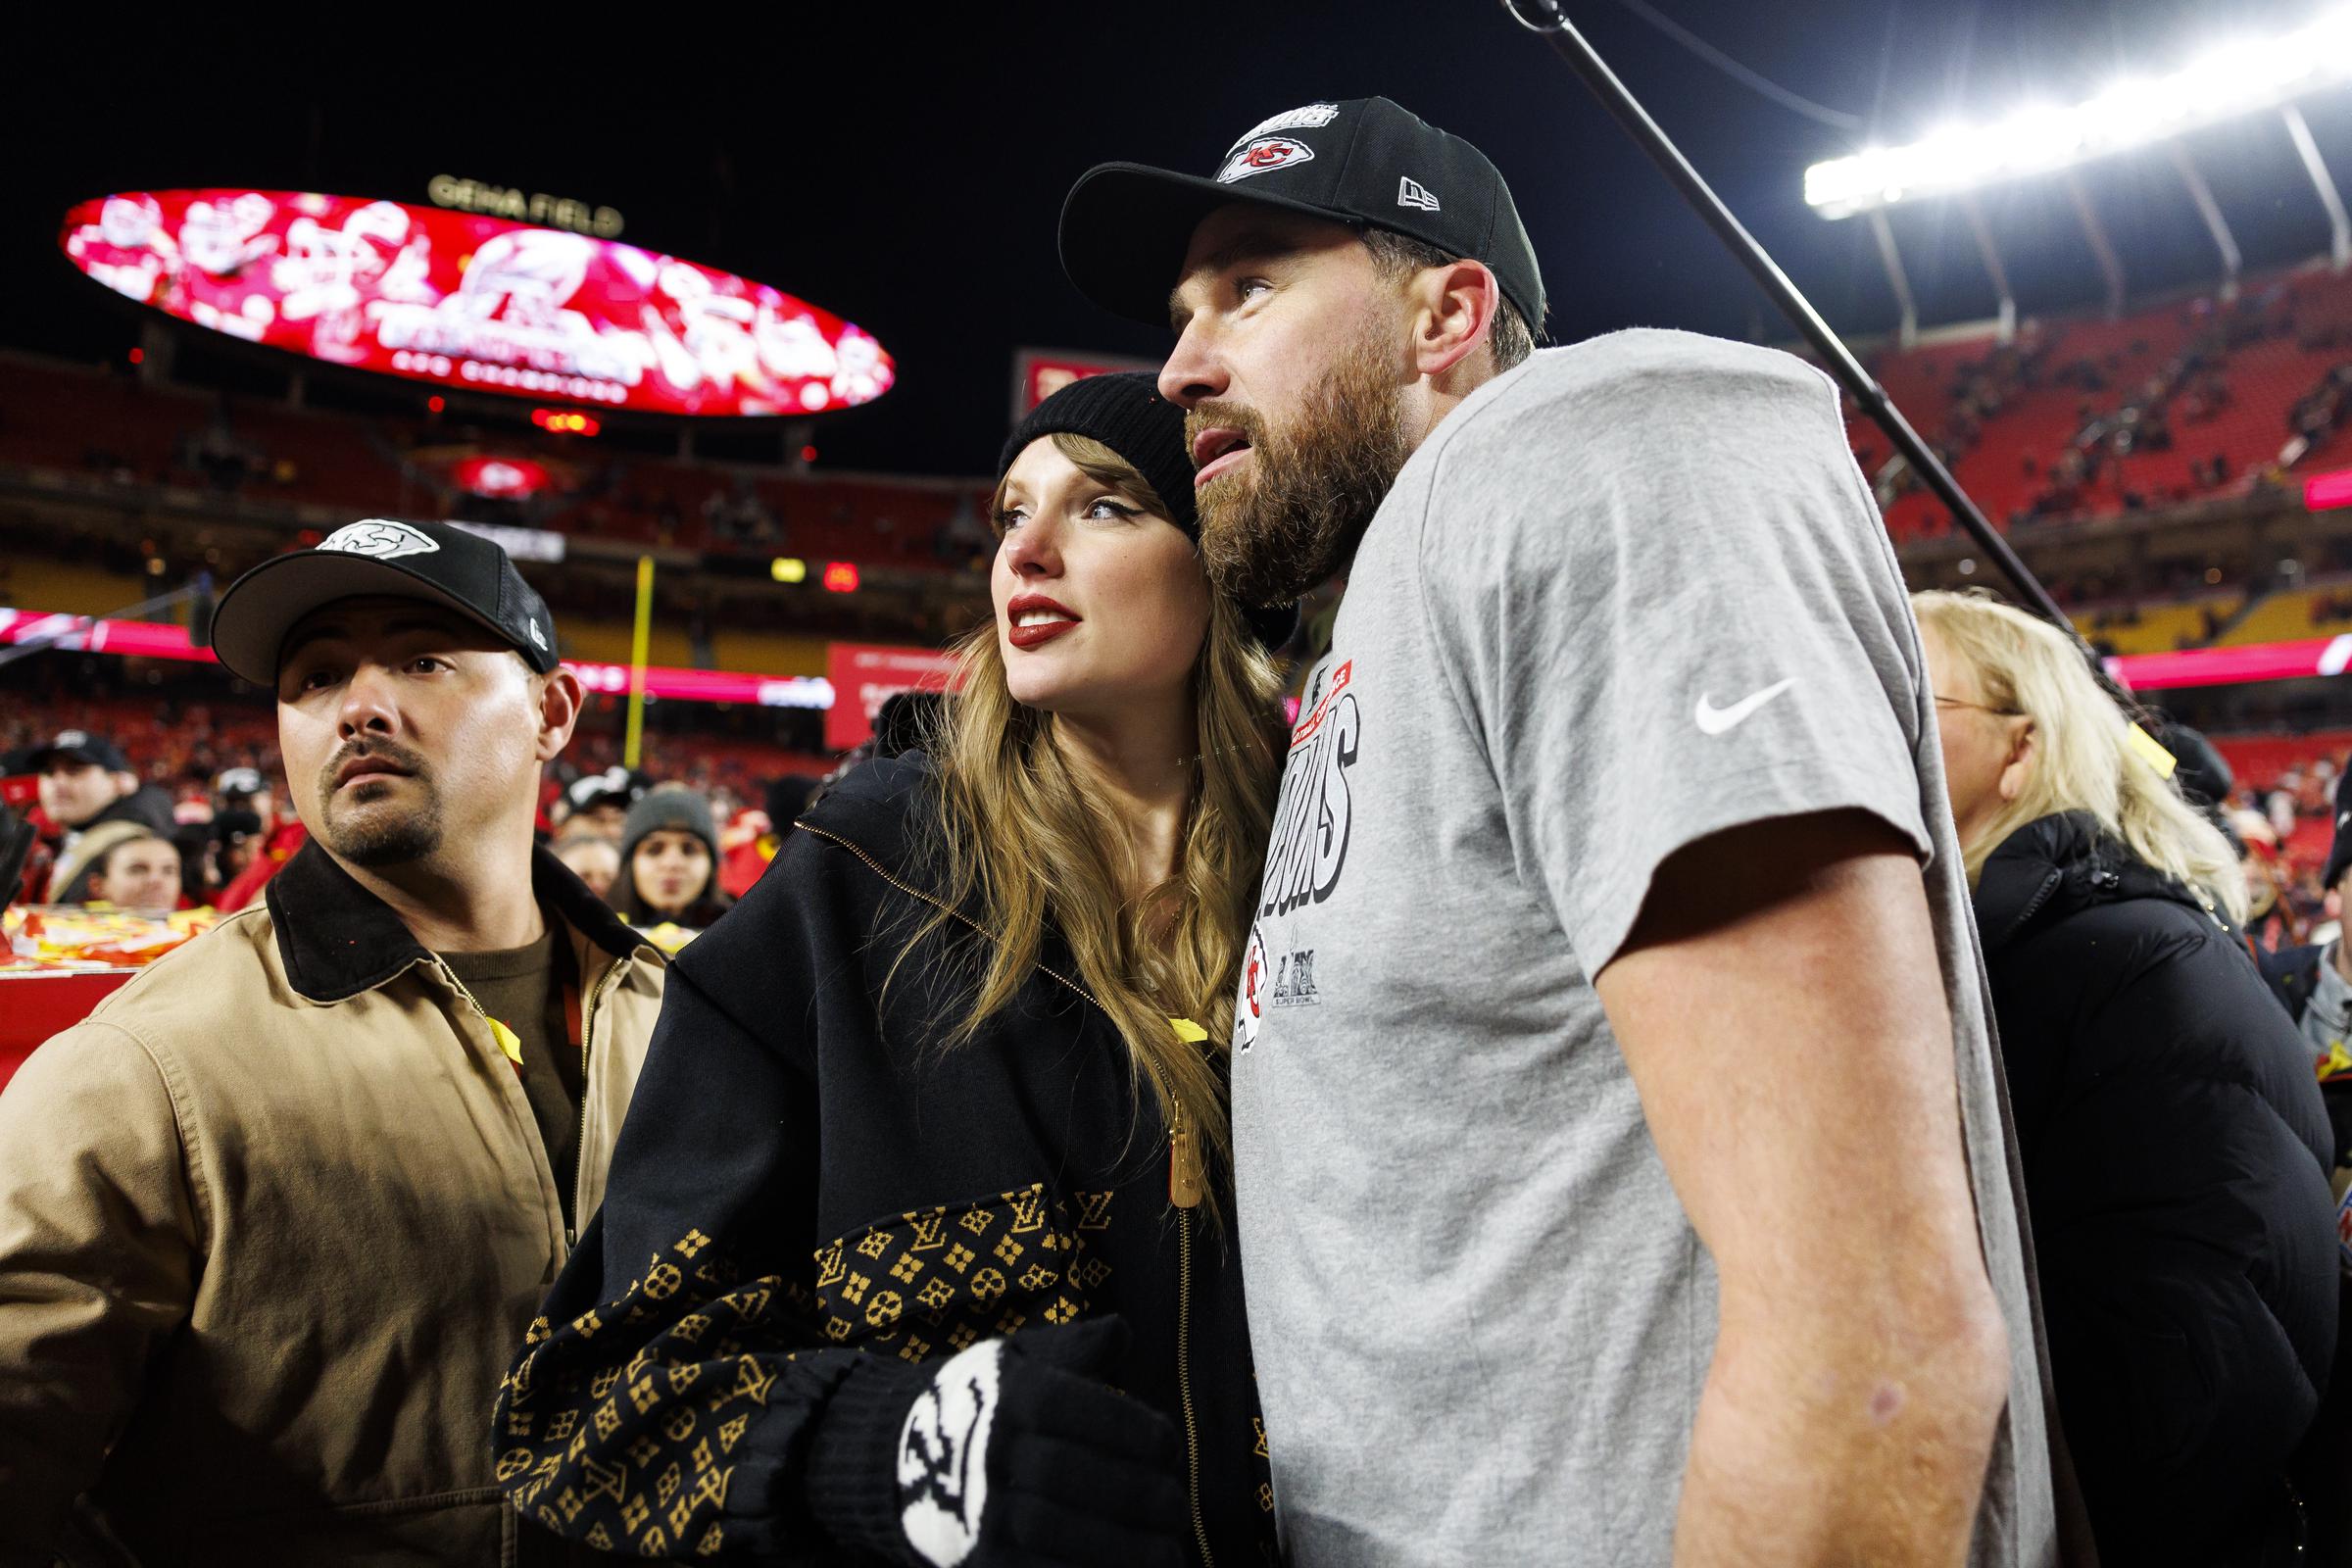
{"points": [[1806, 1455]]}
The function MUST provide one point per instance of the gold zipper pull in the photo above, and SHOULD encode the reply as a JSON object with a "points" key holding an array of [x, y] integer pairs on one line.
{"points": [[1184, 1177]]}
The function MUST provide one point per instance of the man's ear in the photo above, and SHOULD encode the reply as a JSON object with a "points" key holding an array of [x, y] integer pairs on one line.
{"points": [[559, 700], [125, 783], [1452, 306]]}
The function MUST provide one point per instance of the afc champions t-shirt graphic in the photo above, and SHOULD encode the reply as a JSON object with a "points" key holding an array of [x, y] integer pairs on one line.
{"points": [[1308, 851]]}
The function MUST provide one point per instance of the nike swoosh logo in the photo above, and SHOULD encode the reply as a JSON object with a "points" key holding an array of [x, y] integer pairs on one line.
{"points": [[1714, 720]]}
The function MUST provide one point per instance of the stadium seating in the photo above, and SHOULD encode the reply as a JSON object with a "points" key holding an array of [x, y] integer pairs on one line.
{"points": [[176, 743], [79, 420], [2222, 381]]}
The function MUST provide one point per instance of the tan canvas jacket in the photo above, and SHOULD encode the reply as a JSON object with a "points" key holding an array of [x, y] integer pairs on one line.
{"points": [[274, 1220]]}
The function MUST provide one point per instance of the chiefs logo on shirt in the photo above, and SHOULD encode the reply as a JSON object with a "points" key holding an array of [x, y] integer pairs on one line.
{"points": [[1250, 1010]]}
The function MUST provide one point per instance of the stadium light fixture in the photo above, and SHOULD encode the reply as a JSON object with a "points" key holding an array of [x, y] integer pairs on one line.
{"points": [[2238, 77]]}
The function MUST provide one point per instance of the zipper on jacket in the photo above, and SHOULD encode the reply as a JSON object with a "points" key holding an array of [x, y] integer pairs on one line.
{"points": [[1184, 1378], [1181, 1154], [579, 1162]]}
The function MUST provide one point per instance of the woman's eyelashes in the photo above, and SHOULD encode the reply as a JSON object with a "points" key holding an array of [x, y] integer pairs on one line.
{"points": [[1102, 509]]}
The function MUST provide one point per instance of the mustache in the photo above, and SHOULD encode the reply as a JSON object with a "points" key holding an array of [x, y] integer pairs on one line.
{"points": [[1214, 416], [399, 755]]}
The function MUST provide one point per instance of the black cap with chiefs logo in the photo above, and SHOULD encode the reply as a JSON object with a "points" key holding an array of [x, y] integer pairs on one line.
{"points": [[1363, 161], [438, 562]]}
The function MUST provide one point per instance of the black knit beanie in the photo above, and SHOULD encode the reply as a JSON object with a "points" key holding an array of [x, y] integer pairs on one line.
{"points": [[1125, 412]]}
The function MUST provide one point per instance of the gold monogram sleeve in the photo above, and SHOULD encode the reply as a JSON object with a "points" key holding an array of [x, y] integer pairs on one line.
{"points": [[666, 1402]]}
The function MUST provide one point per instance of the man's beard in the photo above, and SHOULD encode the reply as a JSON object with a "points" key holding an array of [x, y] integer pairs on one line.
{"points": [[1294, 516], [384, 836]]}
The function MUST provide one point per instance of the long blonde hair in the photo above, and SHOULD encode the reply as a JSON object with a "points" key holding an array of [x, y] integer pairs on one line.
{"points": [[2083, 761], [1020, 838]]}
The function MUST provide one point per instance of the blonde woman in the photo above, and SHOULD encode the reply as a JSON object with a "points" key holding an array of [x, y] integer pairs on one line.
{"points": [[912, 1250], [2176, 1151]]}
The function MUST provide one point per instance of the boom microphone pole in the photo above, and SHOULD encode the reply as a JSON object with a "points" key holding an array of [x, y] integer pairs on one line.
{"points": [[1546, 19]]}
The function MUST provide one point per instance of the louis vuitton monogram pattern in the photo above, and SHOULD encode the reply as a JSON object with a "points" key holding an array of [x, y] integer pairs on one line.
{"points": [[936, 1281], [639, 1454]]}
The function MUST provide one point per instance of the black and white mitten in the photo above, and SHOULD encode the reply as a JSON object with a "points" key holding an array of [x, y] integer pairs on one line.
{"points": [[1019, 1452]]}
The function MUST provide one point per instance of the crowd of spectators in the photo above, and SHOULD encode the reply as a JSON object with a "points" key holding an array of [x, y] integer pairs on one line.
{"points": [[166, 829]]}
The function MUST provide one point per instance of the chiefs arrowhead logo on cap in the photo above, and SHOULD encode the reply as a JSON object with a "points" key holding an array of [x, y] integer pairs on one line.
{"points": [[1262, 154], [1309, 117], [381, 539]]}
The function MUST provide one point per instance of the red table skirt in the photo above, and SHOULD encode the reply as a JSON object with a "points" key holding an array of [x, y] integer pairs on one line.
{"points": [[34, 1006]]}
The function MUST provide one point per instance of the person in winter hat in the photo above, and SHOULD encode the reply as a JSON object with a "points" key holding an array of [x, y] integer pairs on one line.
{"points": [[915, 1250], [669, 861]]}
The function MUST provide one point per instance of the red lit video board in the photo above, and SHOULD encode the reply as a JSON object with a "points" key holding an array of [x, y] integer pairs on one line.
{"points": [[480, 304]]}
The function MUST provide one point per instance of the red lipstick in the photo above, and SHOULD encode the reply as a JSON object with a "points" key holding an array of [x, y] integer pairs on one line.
{"points": [[1037, 632]]}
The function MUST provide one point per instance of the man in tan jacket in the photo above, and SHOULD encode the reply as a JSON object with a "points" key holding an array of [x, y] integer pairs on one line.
{"points": [[274, 1219]]}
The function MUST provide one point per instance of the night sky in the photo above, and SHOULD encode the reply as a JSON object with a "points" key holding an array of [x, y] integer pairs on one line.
{"points": [[905, 171]]}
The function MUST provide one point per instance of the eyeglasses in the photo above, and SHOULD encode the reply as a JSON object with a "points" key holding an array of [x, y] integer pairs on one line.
{"points": [[1943, 701]]}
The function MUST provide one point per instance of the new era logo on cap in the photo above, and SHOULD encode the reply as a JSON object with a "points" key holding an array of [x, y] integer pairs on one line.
{"points": [[377, 537], [1410, 192], [69, 740]]}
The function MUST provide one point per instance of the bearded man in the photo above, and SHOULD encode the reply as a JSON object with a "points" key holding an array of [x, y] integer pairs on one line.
{"points": [[1626, 1179], [274, 1216]]}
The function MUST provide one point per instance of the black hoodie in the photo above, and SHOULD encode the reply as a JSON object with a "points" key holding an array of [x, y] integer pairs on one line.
{"points": [[812, 1197], [2177, 1160]]}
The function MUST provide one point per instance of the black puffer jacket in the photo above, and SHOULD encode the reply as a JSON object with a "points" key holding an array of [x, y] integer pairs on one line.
{"points": [[2177, 1160], [812, 1199]]}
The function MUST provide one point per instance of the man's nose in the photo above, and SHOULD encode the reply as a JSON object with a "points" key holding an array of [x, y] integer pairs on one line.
{"points": [[368, 703], [1194, 371]]}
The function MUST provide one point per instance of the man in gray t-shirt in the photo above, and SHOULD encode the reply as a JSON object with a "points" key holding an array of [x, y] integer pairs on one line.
{"points": [[1622, 1170]]}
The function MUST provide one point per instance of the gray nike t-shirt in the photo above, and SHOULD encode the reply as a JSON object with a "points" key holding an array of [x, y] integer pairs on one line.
{"points": [[1628, 595]]}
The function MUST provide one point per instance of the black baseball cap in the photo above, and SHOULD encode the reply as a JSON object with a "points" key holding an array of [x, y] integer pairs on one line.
{"points": [[1363, 161], [81, 746], [436, 562], [615, 786]]}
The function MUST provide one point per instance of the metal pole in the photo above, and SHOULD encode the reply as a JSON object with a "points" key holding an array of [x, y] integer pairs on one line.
{"points": [[1897, 279], [2215, 224], [1544, 18], [1993, 267], [2339, 227], [639, 639], [2102, 250]]}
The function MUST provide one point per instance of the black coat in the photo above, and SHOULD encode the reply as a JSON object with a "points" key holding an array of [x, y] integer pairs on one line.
{"points": [[2176, 1160], [814, 1198]]}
